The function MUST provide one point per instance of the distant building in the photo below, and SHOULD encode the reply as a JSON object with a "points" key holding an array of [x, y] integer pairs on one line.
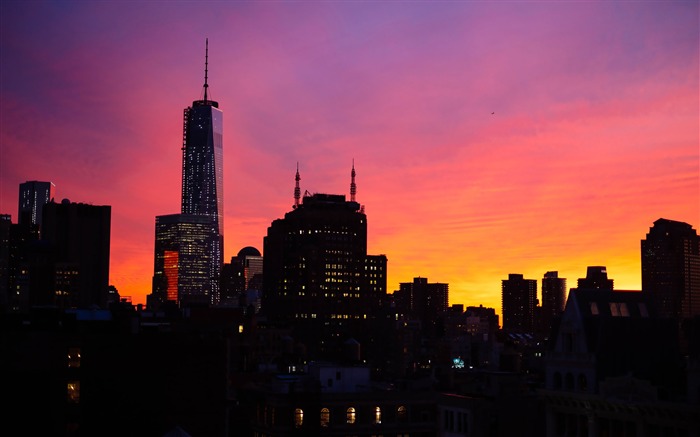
{"points": [[423, 301], [33, 195], [241, 279], [553, 299], [596, 279], [671, 268], [317, 272], [518, 300], [184, 271], [75, 246]]}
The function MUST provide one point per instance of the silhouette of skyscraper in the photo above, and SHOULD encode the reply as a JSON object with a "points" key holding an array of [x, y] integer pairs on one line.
{"points": [[518, 301], [553, 298], [202, 195], [596, 279], [671, 268], [241, 279], [424, 301], [33, 195], [316, 267], [77, 239]]}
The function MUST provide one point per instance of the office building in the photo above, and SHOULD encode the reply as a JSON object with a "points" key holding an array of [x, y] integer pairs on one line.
{"points": [[33, 195], [183, 269], [518, 302], [671, 268], [202, 169], [202, 195], [316, 267]]}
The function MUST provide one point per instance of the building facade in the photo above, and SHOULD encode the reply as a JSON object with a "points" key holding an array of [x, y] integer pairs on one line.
{"points": [[202, 195], [596, 279], [183, 268], [424, 301], [317, 272], [33, 195], [518, 300], [553, 298], [671, 268], [75, 252]]}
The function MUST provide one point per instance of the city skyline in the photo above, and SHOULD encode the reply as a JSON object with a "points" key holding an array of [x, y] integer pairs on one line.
{"points": [[488, 138]]}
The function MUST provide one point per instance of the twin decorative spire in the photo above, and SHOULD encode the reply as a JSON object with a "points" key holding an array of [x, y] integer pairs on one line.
{"points": [[297, 189]]}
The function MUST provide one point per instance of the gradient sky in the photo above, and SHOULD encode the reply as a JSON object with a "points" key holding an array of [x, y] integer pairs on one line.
{"points": [[594, 133]]}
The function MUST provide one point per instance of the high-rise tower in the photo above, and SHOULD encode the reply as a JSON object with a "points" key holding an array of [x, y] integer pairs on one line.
{"points": [[553, 298], [671, 268], [518, 299], [200, 225], [317, 272], [202, 161]]}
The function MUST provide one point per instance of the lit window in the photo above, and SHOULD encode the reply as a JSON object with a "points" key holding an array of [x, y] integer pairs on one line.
{"points": [[325, 417], [298, 417], [74, 357], [377, 415], [73, 392], [401, 413], [351, 415]]}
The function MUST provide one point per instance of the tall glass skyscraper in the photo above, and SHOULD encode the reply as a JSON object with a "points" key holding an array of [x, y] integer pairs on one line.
{"points": [[202, 163], [178, 273]]}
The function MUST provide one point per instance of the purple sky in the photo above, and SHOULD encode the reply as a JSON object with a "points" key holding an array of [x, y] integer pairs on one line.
{"points": [[594, 136]]}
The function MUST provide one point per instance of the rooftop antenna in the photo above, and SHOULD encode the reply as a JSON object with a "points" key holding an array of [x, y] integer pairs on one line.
{"points": [[206, 69], [353, 187], [297, 190]]}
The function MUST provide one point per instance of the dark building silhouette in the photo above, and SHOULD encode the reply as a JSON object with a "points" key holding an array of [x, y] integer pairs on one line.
{"points": [[33, 195], [518, 301], [615, 368], [241, 279], [74, 251], [336, 399], [423, 301], [202, 195], [671, 268], [553, 299], [317, 272], [596, 279]]}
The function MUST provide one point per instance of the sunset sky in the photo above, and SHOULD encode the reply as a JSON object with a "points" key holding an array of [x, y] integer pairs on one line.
{"points": [[488, 137]]}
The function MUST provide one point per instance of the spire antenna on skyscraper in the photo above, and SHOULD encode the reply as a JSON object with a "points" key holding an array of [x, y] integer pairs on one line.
{"points": [[206, 68], [297, 190], [353, 187]]}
